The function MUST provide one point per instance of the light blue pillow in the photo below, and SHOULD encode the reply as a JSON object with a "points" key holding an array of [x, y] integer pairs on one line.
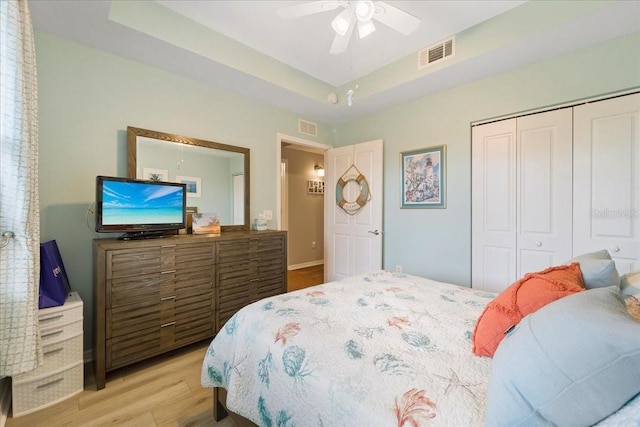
{"points": [[571, 363], [598, 269]]}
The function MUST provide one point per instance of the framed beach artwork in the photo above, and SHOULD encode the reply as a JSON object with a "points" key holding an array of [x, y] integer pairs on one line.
{"points": [[194, 185], [152, 174], [423, 178]]}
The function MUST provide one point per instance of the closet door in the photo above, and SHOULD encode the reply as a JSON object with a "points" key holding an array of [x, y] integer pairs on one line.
{"points": [[493, 204], [544, 197], [521, 197], [607, 180]]}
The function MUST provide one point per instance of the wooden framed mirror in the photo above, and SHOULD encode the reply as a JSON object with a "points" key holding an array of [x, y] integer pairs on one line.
{"points": [[217, 175]]}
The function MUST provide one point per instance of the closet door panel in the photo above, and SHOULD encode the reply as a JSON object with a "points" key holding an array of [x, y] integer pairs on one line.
{"points": [[493, 205], [607, 179], [544, 190]]}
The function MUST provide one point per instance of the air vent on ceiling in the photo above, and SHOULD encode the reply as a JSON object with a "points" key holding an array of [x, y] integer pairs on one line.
{"points": [[436, 53], [307, 128]]}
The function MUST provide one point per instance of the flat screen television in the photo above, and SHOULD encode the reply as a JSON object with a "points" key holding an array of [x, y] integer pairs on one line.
{"points": [[139, 209]]}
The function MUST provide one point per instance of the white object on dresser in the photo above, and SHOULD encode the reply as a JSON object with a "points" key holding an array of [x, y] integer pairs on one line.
{"points": [[62, 374]]}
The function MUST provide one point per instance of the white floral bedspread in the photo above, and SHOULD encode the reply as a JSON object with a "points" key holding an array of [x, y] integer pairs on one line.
{"points": [[380, 349]]}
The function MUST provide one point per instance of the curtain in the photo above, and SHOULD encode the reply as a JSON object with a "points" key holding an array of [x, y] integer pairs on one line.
{"points": [[20, 347]]}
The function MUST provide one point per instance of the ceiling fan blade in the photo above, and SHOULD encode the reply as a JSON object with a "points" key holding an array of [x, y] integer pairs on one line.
{"points": [[396, 18], [309, 8], [340, 43]]}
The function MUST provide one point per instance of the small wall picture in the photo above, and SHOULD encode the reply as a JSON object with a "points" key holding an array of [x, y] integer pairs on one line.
{"points": [[194, 185], [151, 174], [315, 187], [423, 178]]}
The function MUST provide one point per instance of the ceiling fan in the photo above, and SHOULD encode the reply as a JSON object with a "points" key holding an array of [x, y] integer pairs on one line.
{"points": [[360, 13]]}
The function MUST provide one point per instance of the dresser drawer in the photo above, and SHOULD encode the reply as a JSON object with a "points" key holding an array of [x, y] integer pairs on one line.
{"points": [[57, 355], [70, 312], [35, 394], [136, 317], [133, 347], [268, 287], [59, 332], [198, 256], [133, 262], [233, 251], [260, 246], [135, 289]]}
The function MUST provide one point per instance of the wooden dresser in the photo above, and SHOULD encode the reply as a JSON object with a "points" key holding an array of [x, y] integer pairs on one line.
{"points": [[152, 296]]}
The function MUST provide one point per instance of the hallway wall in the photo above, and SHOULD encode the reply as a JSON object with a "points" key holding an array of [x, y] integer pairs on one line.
{"points": [[306, 210]]}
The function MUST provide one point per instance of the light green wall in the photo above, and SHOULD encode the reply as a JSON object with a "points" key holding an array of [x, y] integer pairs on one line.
{"points": [[88, 98], [86, 101], [436, 243]]}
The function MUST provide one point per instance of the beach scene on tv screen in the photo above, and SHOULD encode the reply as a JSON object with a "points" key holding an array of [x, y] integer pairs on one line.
{"points": [[136, 203]]}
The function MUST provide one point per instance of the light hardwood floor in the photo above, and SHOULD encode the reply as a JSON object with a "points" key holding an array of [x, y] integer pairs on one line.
{"points": [[163, 391]]}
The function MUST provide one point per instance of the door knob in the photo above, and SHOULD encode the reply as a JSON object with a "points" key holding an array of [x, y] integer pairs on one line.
{"points": [[6, 236], [374, 232], [538, 243], [614, 249]]}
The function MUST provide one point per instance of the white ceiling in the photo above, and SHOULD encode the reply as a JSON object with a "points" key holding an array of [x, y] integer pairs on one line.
{"points": [[303, 44]]}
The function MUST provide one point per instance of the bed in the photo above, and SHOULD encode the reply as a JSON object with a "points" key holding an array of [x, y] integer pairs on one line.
{"points": [[377, 349]]}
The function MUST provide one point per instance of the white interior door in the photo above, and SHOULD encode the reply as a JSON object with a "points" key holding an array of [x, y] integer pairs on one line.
{"points": [[353, 243], [544, 195], [493, 200], [521, 197], [607, 180]]}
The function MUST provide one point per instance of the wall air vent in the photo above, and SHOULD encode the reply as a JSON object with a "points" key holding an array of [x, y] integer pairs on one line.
{"points": [[436, 53], [307, 128]]}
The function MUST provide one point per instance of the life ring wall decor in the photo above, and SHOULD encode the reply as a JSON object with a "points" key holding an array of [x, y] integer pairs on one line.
{"points": [[352, 174]]}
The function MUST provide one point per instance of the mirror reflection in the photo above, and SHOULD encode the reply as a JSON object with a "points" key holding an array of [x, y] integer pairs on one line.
{"points": [[215, 174]]}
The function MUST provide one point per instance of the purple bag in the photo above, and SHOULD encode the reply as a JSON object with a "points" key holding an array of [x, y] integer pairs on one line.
{"points": [[54, 283]]}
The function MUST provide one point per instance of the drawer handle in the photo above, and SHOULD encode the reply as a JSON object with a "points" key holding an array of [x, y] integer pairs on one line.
{"points": [[168, 298], [254, 280], [167, 272], [50, 383], [168, 246], [56, 350], [52, 333], [48, 319], [254, 259], [168, 324], [614, 249]]}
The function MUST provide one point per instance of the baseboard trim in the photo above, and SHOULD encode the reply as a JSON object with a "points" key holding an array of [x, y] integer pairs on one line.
{"points": [[306, 264], [5, 400]]}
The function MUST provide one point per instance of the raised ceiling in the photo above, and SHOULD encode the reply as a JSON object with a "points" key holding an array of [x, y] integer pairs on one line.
{"points": [[245, 47]]}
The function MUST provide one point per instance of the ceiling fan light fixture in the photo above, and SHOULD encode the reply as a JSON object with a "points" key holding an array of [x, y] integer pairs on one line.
{"points": [[365, 28], [365, 10], [342, 22]]}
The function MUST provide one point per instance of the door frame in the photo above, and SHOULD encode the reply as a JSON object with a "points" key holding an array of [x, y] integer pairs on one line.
{"points": [[280, 138]]}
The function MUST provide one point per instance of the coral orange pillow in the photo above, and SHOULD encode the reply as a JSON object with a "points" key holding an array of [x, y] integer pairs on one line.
{"points": [[530, 293]]}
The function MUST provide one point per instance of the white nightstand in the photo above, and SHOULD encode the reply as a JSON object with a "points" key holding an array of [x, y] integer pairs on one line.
{"points": [[62, 374]]}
